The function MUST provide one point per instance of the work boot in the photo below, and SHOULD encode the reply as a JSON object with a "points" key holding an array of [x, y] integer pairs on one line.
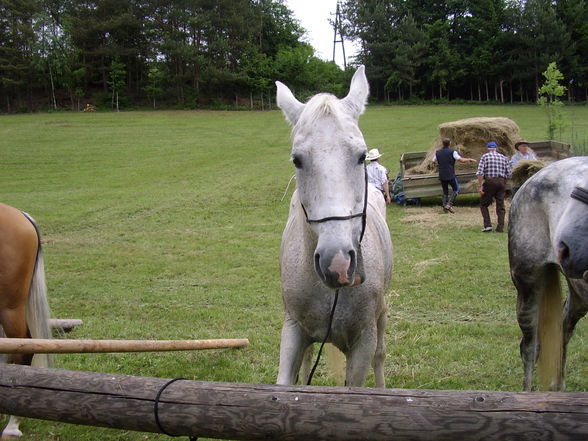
{"points": [[444, 202], [450, 202]]}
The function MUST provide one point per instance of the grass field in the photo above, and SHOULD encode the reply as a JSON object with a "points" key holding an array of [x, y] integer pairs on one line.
{"points": [[167, 225]]}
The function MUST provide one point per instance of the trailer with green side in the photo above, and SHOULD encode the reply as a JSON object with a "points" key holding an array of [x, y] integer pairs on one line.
{"points": [[427, 185]]}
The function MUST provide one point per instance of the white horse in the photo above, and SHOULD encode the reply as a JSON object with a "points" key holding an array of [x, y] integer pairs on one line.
{"points": [[548, 235], [336, 239]]}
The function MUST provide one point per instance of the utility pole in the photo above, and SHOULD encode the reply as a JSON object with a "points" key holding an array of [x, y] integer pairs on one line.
{"points": [[338, 30]]}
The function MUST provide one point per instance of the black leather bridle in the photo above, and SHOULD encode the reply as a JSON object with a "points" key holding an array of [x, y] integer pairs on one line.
{"points": [[362, 214], [580, 194]]}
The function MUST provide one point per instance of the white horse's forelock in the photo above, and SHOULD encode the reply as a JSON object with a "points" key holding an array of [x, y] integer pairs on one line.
{"points": [[319, 106]]}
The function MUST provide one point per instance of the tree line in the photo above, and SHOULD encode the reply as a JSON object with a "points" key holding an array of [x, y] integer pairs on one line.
{"points": [[184, 53], [57, 54], [478, 50]]}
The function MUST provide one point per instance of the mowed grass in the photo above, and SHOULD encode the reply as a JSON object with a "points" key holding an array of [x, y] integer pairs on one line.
{"points": [[167, 225]]}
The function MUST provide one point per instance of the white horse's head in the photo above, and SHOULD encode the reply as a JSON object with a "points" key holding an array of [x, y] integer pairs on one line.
{"points": [[329, 152], [571, 235]]}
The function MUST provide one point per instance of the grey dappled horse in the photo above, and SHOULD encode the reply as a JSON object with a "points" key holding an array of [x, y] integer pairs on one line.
{"points": [[336, 238], [548, 234]]}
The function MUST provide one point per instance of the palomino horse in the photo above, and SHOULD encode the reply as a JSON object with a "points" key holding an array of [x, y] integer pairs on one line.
{"points": [[24, 311], [336, 239], [548, 234]]}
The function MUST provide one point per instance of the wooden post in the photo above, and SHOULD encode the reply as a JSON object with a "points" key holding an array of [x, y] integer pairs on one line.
{"points": [[65, 346], [262, 412], [65, 325]]}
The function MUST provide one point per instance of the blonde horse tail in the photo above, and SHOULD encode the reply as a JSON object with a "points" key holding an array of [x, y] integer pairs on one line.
{"points": [[335, 363], [38, 312], [550, 334]]}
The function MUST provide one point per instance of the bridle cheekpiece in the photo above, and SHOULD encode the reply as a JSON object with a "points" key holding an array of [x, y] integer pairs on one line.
{"points": [[362, 214], [580, 194]]}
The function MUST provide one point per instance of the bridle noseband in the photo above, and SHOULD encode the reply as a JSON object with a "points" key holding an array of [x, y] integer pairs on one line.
{"points": [[362, 214], [580, 194]]}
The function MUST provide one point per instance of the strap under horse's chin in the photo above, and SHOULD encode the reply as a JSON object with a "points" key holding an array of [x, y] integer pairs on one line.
{"points": [[580, 194]]}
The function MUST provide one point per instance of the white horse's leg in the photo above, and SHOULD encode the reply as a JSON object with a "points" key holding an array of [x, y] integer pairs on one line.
{"points": [[11, 430], [359, 358], [306, 364], [380, 354], [292, 348]]}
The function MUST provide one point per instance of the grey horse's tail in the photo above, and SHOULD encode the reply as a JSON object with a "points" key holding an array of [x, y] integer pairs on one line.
{"points": [[550, 333], [335, 361], [336, 364]]}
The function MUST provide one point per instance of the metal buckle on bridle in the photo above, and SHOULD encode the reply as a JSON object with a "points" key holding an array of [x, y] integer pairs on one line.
{"points": [[580, 194], [363, 214]]}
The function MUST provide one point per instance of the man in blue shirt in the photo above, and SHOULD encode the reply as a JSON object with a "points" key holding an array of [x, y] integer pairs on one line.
{"points": [[445, 158]]}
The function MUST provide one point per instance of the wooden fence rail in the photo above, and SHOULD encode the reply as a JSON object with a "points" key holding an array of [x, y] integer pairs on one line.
{"points": [[262, 412], [70, 346]]}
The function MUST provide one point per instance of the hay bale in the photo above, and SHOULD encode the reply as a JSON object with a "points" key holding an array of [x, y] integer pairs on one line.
{"points": [[469, 137], [524, 169]]}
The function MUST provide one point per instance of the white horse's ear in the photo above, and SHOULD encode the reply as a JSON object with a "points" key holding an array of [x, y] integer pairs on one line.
{"points": [[291, 107], [359, 90]]}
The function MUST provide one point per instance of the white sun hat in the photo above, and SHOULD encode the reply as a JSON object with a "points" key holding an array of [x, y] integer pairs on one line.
{"points": [[373, 154]]}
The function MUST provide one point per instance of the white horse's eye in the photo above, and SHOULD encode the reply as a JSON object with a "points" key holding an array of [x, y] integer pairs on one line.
{"points": [[361, 158], [297, 161]]}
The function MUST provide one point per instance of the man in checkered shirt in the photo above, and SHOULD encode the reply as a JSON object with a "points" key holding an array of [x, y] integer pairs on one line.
{"points": [[493, 171]]}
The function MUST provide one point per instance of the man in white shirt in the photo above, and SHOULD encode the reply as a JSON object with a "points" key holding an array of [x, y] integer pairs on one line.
{"points": [[377, 174], [524, 153]]}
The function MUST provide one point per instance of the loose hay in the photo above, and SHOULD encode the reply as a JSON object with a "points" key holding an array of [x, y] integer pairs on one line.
{"points": [[524, 170], [469, 137], [434, 219]]}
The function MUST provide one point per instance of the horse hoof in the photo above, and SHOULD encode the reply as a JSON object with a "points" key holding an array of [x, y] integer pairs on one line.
{"points": [[10, 434]]}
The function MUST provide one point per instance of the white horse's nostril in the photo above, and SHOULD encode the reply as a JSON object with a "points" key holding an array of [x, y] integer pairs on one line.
{"points": [[563, 252], [340, 265]]}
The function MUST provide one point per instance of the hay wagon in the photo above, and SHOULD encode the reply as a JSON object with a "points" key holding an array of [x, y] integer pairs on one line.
{"points": [[427, 185]]}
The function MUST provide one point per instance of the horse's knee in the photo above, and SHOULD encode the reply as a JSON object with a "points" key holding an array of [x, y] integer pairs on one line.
{"points": [[360, 358], [292, 347]]}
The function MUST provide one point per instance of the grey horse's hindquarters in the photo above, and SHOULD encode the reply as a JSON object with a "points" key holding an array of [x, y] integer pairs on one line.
{"points": [[548, 236]]}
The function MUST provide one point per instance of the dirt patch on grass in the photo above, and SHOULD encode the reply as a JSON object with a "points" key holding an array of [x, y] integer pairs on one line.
{"points": [[433, 217]]}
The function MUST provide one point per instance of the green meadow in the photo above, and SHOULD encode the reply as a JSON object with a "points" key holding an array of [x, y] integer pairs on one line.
{"points": [[167, 225]]}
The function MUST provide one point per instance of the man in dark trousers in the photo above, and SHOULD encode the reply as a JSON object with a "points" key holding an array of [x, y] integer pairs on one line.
{"points": [[445, 158], [493, 171]]}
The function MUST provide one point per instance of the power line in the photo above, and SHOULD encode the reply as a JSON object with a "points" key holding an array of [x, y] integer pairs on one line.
{"points": [[337, 27]]}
